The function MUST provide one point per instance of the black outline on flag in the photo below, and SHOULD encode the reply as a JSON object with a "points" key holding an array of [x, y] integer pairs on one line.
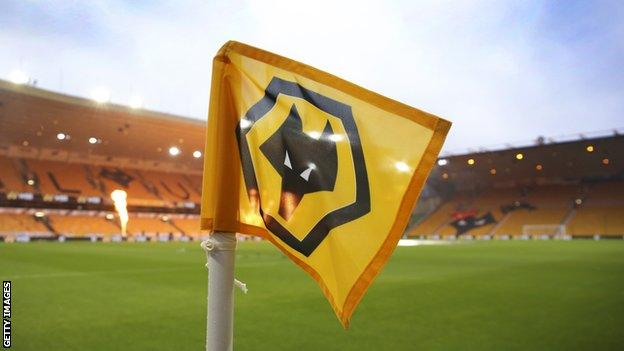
{"points": [[333, 219]]}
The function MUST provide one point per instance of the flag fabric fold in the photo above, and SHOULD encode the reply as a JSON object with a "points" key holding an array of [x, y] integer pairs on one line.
{"points": [[325, 170]]}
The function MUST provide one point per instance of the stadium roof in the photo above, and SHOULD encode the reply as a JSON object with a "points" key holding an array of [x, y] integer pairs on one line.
{"points": [[584, 159], [33, 118]]}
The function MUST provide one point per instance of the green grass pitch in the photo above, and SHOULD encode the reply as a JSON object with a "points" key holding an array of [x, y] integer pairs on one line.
{"points": [[546, 295]]}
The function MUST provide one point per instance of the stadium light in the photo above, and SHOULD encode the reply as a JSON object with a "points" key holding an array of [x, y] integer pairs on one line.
{"points": [[174, 151], [30, 182], [197, 154], [442, 162], [39, 214], [61, 136], [18, 77], [471, 161], [93, 140], [590, 148], [101, 95], [402, 166], [519, 156], [136, 102]]}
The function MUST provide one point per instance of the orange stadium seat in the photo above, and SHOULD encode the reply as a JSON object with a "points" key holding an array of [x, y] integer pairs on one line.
{"points": [[59, 178], [541, 216], [190, 226], [137, 193], [20, 223], [598, 220], [139, 225], [82, 225], [172, 187], [10, 176], [55, 177], [440, 217]]}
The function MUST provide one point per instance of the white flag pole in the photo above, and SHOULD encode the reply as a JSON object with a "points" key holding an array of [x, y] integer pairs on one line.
{"points": [[220, 251]]}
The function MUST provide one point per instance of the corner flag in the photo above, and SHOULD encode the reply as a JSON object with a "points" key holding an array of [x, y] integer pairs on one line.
{"points": [[327, 171]]}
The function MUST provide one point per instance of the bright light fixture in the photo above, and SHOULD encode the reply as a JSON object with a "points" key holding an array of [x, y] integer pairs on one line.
{"points": [[136, 102], [197, 154], [442, 162], [61, 136], [538, 167], [590, 148], [93, 140], [110, 216], [39, 214], [402, 166], [519, 156], [445, 175], [30, 182], [18, 77], [315, 135], [471, 161], [244, 123], [174, 151], [101, 95], [493, 171], [605, 161]]}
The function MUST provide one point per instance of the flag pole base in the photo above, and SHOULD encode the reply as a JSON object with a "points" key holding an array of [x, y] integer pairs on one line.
{"points": [[220, 252]]}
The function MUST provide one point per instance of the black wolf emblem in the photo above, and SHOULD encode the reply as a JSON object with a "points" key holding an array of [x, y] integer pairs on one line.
{"points": [[306, 164]]}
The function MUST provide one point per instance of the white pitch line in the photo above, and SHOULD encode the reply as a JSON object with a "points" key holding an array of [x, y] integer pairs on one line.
{"points": [[418, 242]]}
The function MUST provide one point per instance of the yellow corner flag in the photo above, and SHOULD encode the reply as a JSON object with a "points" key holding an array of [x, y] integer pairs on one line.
{"points": [[327, 171]]}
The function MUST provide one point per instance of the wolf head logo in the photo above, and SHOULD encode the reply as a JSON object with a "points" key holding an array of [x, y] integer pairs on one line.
{"points": [[306, 163]]}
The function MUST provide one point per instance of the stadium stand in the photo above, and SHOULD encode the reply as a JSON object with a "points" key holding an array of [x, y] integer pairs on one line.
{"points": [[598, 221], [54, 178], [62, 156], [575, 187], [21, 223], [9, 178], [601, 211], [190, 226], [82, 225]]}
